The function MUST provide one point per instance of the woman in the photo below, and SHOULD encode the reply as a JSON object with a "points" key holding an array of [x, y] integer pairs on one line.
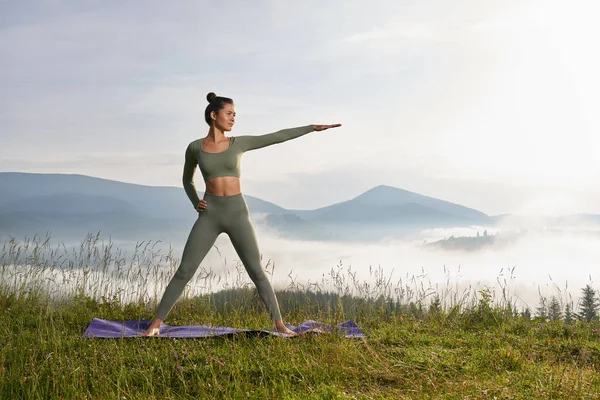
{"points": [[223, 208]]}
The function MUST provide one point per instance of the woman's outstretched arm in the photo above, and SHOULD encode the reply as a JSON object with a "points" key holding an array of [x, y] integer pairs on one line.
{"points": [[257, 142]]}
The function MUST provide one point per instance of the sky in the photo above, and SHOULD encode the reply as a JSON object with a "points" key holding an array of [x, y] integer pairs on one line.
{"points": [[491, 105]]}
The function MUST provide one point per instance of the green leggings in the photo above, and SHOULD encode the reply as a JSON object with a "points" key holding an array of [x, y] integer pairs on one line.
{"points": [[227, 214]]}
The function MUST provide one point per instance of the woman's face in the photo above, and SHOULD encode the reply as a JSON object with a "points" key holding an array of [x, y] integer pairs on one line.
{"points": [[225, 118]]}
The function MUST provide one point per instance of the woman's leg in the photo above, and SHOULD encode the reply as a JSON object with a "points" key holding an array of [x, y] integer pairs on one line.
{"points": [[243, 238], [201, 238]]}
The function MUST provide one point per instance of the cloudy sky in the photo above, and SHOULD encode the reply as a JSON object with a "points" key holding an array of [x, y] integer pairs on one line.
{"points": [[493, 105]]}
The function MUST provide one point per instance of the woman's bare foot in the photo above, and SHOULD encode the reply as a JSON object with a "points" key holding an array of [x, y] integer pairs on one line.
{"points": [[281, 328], [153, 328]]}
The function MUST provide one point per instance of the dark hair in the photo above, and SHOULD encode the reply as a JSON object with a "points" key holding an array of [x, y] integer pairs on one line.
{"points": [[216, 104]]}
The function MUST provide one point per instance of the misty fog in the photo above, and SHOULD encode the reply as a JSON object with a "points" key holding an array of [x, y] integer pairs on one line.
{"points": [[550, 263]]}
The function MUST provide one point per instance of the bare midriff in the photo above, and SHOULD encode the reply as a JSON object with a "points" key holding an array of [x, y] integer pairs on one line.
{"points": [[224, 186]]}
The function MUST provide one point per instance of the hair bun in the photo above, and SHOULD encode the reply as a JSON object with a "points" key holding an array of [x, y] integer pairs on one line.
{"points": [[210, 97]]}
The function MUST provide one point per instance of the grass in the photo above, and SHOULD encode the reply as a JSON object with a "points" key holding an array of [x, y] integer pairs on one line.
{"points": [[477, 347]]}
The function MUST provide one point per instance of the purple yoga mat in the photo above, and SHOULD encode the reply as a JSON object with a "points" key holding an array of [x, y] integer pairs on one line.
{"points": [[100, 328]]}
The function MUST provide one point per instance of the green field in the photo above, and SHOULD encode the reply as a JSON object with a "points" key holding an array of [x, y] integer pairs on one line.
{"points": [[438, 346]]}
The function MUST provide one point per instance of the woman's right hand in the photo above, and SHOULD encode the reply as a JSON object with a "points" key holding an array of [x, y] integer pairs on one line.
{"points": [[324, 127], [201, 205]]}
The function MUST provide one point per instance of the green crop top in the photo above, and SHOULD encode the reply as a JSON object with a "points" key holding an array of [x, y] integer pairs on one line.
{"points": [[227, 162]]}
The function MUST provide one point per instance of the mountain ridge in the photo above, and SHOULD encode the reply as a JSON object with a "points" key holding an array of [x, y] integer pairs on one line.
{"points": [[35, 203]]}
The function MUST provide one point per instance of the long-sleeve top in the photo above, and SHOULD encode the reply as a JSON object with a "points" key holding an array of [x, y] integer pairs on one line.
{"points": [[227, 162]]}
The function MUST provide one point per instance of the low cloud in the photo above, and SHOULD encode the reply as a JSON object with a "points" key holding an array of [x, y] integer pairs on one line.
{"points": [[538, 263]]}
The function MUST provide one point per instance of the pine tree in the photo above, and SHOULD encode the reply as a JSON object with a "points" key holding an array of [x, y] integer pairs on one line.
{"points": [[554, 310], [436, 305], [589, 304], [542, 310], [568, 314], [416, 310]]}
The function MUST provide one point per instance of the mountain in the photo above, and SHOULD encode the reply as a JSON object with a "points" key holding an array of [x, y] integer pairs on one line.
{"points": [[74, 205], [168, 202], [70, 206], [386, 198], [386, 206], [68, 203]]}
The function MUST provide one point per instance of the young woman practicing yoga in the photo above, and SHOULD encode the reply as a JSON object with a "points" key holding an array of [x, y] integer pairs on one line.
{"points": [[223, 208]]}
